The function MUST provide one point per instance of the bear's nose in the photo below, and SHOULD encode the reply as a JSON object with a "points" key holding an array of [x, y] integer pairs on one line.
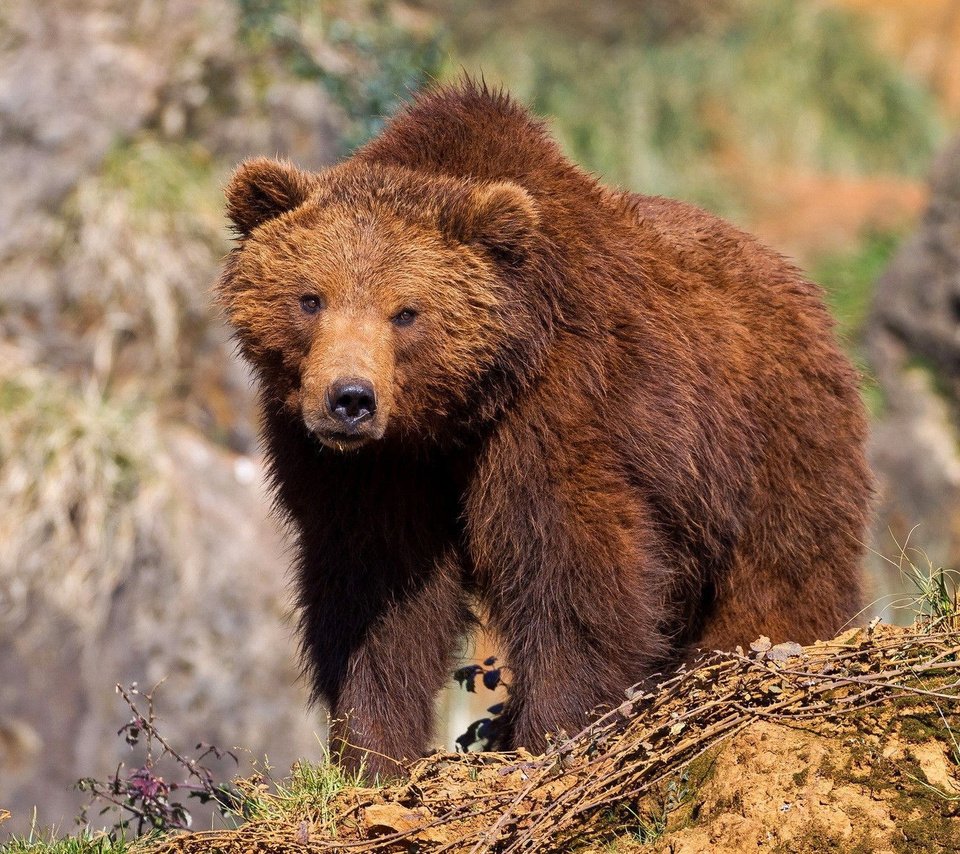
{"points": [[352, 401]]}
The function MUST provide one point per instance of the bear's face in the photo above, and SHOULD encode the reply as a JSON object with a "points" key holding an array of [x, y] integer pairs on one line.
{"points": [[371, 301]]}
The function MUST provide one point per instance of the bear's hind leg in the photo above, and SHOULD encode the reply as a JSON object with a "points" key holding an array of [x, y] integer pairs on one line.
{"points": [[799, 598]]}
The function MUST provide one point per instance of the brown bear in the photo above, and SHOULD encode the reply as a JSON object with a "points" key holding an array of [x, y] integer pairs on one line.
{"points": [[617, 422]]}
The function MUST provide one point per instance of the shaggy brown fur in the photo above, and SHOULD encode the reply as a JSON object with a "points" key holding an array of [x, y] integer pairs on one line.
{"points": [[620, 423]]}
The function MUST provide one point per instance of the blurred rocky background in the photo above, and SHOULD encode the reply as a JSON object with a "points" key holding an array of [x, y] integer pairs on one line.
{"points": [[135, 541]]}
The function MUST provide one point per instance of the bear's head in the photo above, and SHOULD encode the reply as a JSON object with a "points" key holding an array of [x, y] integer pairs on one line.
{"points": [[375, 301]]}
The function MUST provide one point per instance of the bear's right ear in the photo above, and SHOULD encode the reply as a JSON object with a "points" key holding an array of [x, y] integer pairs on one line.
{"points": [[262, 189]]}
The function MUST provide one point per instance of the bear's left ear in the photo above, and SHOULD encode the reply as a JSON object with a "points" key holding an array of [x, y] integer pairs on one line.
{"points": [[262, 189], [502, 217]]}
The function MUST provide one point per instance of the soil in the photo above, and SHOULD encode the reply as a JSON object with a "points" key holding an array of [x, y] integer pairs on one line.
{"points": [[866, 788]]}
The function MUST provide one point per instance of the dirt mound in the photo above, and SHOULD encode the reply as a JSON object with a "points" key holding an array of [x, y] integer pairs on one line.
{"points": [[848, 746], [883, 784]]}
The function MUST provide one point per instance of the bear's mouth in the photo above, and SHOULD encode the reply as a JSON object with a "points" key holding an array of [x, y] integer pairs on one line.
{"points": [[340, 441], [344, 437]]}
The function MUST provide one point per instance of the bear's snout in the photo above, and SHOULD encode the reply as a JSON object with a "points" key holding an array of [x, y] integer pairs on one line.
{"points": [[346, 415], [347, 380], [351, 402]]}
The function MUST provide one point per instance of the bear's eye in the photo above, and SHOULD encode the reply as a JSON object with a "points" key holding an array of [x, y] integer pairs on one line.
{"points": [[405, 317], [311, 303]]}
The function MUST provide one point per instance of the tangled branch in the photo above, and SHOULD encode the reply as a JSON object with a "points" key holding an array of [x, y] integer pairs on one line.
{"points": [[521, 803]]}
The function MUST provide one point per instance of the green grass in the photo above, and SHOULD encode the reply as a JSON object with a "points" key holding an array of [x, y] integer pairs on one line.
{"points": [[84, 842], [936, 587], [848, 279], [308, 793], [165, 177]]}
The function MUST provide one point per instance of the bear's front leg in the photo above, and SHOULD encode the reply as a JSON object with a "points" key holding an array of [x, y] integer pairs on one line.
{"points": [[565, 670], [378, 639], [572, 572]]}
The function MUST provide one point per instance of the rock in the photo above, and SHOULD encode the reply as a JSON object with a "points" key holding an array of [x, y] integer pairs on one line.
{"points": [[197, 606], [913, 344], [119, 122], [385, 819]]}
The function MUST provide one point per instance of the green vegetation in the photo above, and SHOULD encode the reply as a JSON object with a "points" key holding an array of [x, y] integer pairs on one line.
{"points": [[164, 177], [817, 839], [926, 818], [84, 842], [848, 279], [936, 600], [308, 794], [919, 728], [779, 85]]}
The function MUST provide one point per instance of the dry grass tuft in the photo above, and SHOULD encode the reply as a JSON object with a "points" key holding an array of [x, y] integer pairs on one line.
{"points": [[78, 486]]}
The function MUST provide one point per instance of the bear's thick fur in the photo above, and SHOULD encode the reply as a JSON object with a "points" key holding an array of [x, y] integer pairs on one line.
{"points": [[618, 422]]}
